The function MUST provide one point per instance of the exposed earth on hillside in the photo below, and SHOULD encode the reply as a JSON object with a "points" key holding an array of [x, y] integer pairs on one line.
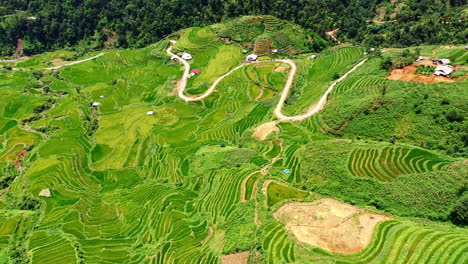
{"points": [[330, 224], [262, 131], [236, 258], [408, 74]]}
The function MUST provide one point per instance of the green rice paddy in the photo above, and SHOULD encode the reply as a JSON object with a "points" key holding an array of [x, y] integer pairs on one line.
{"points": [[166, 187]]}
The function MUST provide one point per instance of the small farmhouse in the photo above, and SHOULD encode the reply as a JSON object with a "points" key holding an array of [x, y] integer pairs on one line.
{"points": [[193, 73], [312, 57], [441, 61], [420, 58], [443, 71], [174, 59], [252, 57], [186, 56], [96, 104], [149, 113]]}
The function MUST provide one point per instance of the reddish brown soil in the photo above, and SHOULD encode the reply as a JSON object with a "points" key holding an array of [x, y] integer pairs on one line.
{"points": [[330, 224], [19, 48], [236, 258], [408, 74], [111, 37], [20, 158]]}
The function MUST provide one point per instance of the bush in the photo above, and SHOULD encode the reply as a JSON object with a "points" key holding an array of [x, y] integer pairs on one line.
{"points": [[459, 214], [387, 64], [454, 116]]}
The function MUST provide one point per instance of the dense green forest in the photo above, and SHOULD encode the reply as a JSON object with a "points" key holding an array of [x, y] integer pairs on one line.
{"points": [[51, 24]]}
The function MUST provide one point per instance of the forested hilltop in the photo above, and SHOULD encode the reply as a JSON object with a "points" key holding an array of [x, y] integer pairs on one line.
{"points": [[51, 24]]}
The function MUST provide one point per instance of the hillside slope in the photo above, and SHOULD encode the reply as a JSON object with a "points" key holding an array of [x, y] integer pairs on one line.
{"points": [[102, 162]]}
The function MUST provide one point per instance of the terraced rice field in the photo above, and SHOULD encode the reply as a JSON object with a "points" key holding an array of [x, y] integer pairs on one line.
{"points": [[390, 162], [315, 76], [397, 242], [187, 183], [277, 243]]}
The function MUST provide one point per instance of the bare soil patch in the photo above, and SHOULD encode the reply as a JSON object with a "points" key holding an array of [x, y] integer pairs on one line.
{"points": [[236, 258], [330, 224], [262, 131], [19, 48], [20, 158], [111, 37], [408, 74], [280, 69]]}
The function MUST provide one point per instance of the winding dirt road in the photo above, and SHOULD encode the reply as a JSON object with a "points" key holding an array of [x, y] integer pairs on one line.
{"points": [[284, 94], [76, 62]]}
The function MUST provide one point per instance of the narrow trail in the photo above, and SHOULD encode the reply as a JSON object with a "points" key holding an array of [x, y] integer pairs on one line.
{"points": [[76, 62], [284, 94]]}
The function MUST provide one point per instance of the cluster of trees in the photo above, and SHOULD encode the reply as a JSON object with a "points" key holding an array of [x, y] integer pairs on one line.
{"points": [[405, 58], [52, 24]]}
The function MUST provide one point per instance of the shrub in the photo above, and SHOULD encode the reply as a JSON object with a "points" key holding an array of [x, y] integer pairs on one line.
{"points": [[459, 214]]}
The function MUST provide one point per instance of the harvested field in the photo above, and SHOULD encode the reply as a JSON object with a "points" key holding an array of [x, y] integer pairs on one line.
{"points": [[330, 224], [236, 258], [408, 74], [281, 69], [262, 131]]}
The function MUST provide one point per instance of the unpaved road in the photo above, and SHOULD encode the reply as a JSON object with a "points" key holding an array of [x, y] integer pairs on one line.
{"points": [[284, 94], [76, 62]]}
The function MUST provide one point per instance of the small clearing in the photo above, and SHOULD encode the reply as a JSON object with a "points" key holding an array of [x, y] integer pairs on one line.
{"points": [[330, 224], [280, 69], [262, 131], [408, 74], [236, 258]]}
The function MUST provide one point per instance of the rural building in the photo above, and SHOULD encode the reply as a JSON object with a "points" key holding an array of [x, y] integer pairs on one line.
{"points": [[252, 57], [312, 56], [149, 112], [372, 50], [173, 58], [186, 56], [466, 47], [96, 104], [421, 58], [443, 71], [193, 73], [441, 61]]}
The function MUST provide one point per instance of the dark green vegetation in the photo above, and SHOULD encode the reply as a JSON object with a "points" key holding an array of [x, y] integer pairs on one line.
{"points": [[425, 69], [94, 24], [127, 187], [367, 106]]}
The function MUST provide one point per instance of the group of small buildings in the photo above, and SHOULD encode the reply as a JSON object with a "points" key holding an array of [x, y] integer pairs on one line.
{"points": [[184, 55], [443, 69], [193, 73]]}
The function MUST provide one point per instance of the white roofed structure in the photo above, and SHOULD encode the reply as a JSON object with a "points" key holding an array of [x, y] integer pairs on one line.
{"points": [[443, 71], [442, 61], [186, 56], [252, 57]]}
